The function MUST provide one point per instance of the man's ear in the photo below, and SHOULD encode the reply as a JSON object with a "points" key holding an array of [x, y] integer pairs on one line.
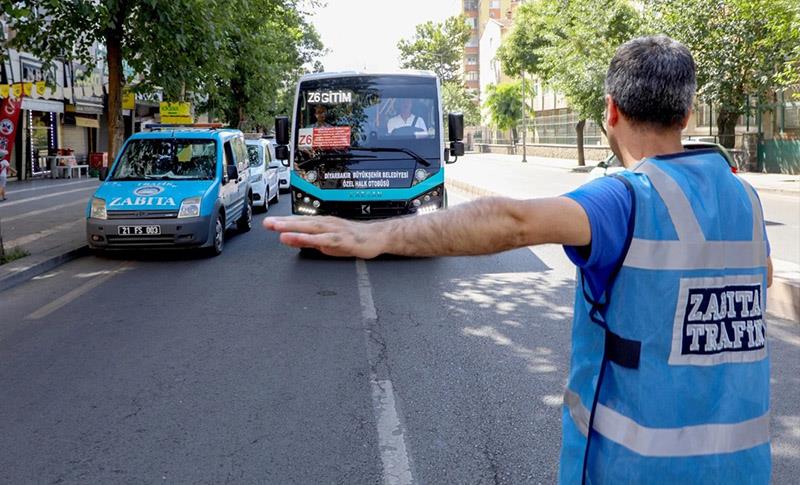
{"points": [[612, 112], [685, 121]]}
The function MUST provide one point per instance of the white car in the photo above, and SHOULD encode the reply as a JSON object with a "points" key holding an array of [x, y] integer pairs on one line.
{"points": [[612, 165], [283, 171], [263, 173]]}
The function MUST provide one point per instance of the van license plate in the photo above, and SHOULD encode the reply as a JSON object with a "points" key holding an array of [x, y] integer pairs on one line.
{"points": [[139, 230]]}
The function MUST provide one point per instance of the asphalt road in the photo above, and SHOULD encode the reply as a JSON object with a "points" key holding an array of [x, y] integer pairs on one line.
{"points": [[259, 366]]}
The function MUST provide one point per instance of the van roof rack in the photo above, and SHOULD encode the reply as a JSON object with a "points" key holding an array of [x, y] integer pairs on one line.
{"points": [[172, 126]]}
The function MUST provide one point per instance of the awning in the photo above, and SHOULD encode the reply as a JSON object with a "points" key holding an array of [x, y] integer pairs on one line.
{"points": [[44, 105], [89, 108]]}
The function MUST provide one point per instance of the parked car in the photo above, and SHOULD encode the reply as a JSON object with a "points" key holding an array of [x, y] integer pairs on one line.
{"points": [[612, 164], [283, 170], [263, 173], [173, 187]]}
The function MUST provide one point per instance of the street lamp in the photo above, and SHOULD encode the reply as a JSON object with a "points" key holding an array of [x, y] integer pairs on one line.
{"points": [[524, 123]]}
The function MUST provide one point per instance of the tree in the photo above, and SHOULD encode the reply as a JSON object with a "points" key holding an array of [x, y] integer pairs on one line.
{"points": [[569, 48], [268, 49], [438, 47], [740, 47], [456, 98], [170, 43], [505, 104]]}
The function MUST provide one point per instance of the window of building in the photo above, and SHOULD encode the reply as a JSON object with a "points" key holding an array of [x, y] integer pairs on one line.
{"points": [[472, 22], [473, 41], [470, 5], [495, 4], [472, 76], [472, 60]]}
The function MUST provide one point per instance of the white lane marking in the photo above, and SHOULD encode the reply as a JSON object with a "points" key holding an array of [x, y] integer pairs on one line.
{"points": [[21, 241], [45, 196], [45, 187], [77, 292], [391, 436], [41, 211]]}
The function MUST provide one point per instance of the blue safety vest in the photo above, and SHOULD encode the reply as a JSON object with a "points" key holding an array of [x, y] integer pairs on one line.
{"points": [[669, 368]]}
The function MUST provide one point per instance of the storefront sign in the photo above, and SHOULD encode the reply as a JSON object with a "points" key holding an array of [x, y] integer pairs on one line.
{"points": [[41, 86], [16, 90], [5, 90], [9, 119], [176, 113], [128, 99]]}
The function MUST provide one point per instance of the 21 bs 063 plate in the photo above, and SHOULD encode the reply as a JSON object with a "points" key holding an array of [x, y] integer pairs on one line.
{"points": [[139, 230]]}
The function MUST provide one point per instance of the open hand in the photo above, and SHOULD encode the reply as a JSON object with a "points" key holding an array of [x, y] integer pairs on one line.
{"points": [[330, 235]]}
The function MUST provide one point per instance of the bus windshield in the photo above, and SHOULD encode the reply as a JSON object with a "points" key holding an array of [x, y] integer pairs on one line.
{"points": [[367, 121]]}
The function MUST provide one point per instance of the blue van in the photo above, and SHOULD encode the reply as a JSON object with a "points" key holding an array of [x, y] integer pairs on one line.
{"points": [[175, 187]]}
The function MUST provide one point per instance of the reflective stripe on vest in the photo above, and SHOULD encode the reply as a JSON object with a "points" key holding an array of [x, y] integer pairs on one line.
{"points": [[706, 439], [692, 250]]}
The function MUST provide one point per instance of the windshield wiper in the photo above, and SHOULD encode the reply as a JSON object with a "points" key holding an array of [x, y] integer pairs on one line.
{"points": [[127, 177], [410, 153], [324, 155]]}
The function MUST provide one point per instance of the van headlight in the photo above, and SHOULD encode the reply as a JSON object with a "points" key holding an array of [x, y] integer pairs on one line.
{"points": [[189, 207], [98, 209]]}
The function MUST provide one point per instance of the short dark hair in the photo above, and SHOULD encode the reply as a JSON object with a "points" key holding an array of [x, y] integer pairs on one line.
{"points": [[652, 80]]}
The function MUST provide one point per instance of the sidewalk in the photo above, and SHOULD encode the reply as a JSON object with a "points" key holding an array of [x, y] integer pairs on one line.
{"points": [[491, 175], [45, 218]]}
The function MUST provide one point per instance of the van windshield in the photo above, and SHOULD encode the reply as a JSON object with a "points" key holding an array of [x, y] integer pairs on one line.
{"points": [[167, 159]]}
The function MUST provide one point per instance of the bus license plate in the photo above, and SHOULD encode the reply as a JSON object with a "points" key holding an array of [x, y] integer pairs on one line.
{"points": [[139, 230]]}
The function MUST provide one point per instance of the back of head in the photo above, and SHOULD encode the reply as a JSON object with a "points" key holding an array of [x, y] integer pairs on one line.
{"points": [[652, 81]]}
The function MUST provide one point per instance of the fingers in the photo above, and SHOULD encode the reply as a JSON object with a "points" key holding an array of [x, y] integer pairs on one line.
{"points": [[304, 224]]}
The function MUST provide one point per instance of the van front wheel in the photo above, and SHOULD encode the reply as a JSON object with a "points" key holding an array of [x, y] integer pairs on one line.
{"points": [[245, 223]]}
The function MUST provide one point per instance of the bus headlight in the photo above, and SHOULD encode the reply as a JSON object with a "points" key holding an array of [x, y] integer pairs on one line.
{"points": [[189, 208], [98, 209], [420, 174], [311, 176]]}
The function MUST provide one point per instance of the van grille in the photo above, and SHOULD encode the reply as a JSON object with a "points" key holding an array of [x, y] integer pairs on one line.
{"points": [[152, 214]]}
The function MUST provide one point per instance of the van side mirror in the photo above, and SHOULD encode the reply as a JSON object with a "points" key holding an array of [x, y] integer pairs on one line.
{"points": [[282, 130], [282, 153], [102, 173], [232, 172]]}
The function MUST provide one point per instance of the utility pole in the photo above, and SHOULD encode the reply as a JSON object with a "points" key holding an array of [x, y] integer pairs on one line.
{"points": [[524, 123]]}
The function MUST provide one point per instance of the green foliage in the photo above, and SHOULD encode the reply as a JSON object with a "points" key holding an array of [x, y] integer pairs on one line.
{"points": [[267, 53], [740, 47], [239, 56], [438, 47], [13, 255], [505, 104], [456, 98], [535, 28]]}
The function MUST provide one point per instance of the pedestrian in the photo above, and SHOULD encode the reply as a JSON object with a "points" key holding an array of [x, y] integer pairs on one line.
{"points": [[669, 373], [5, 169]]}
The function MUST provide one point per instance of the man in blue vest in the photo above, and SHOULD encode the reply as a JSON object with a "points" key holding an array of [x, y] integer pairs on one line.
{"points": [[669, 375]]}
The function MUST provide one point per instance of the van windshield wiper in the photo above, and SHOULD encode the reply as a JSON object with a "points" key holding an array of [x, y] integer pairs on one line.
{"points": [[410, 153]]}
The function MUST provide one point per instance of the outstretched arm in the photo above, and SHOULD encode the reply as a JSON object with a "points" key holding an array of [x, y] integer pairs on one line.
{"points": [[484, 226]]}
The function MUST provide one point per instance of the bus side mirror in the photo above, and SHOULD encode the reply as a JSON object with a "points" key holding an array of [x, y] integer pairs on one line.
{"points": [[282, 130], [282, 153], [455, 128]]}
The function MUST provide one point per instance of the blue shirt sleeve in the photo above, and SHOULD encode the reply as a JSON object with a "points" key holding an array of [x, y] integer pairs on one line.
{"points": [[608, 206]]}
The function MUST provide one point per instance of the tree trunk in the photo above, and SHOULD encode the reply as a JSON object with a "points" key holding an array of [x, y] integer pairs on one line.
{"points": [[726, 128], [115, 82], [579, 138], [513, 135]]}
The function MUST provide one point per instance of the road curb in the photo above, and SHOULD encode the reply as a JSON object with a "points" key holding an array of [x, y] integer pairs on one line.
{"points": [[783, 297], [29, 267]]}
